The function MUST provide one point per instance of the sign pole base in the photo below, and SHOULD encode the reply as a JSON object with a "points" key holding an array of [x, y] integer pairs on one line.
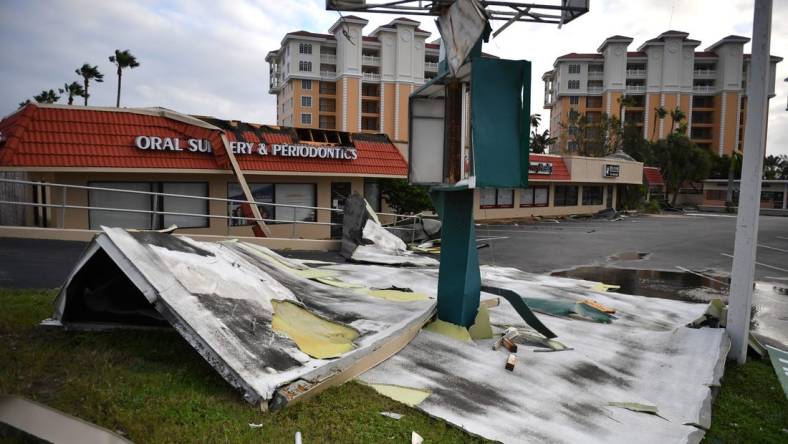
{"points": [[459, 279]]}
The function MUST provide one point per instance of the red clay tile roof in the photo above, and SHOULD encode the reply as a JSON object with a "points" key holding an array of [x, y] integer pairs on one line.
{"points": [[636, 54], [653, 176], [560, 171], [78, 137], [311, 34], [433, 46]]}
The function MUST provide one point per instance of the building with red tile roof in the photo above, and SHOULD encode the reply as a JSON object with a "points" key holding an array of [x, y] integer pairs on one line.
{"points": [[154, 149]]}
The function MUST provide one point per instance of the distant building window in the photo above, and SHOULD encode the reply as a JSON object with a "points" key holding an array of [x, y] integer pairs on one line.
{"points": [[306, 119], [306, 84], [592, 195], [306, 101], [496, 198], [305, 48], [565, 196], [535, 196], [572, 130], [571, 146], [572, 84], [574, 69], [573, 115], [574, 100], [307, 66]]}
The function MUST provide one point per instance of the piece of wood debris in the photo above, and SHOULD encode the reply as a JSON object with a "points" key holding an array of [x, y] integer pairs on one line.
{"points": [[392, 415], [510, 361], [510, 333], [509, 345], [601, 307]]}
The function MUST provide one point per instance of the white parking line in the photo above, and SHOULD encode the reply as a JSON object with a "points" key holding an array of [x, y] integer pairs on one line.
{"points": [[709, 215], [782, 237], [761, 264], [491, 238], [773, 248]]}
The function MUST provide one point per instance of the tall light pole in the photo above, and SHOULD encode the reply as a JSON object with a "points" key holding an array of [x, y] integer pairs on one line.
{"points": [[742, 272]]}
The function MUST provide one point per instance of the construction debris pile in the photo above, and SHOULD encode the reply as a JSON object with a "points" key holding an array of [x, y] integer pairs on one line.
{"points": [[580, 365]]}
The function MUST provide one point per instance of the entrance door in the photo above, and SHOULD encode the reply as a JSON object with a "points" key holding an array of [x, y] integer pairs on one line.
{"points": [[339, 192], [610, 196]]}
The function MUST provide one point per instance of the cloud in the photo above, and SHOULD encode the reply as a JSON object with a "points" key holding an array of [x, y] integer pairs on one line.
{"points": [[206, 57]]}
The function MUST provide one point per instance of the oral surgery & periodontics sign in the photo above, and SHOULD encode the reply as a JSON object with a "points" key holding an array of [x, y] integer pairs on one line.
{"points": [[153, 143]]}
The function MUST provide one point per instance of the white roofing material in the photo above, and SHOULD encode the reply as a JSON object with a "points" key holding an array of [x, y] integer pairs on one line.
{"points": [[646, 356]]}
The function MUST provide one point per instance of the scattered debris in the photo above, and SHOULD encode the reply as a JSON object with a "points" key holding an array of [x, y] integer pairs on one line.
{"points": [[255, 426], [415, 438], [569, 309], [298, 438], [601, 307], [521, 307], [510, 333], [604, 288], [637, 407], [392, 415], [267, 324], [407, 395], [508, 344], [40, 423], [715, 315], [510, 361], [490, 303]]}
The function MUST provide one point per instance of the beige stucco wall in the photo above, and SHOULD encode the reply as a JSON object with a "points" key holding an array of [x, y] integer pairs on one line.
{"points": [[217, 187], [590, 169], [516, 212]]}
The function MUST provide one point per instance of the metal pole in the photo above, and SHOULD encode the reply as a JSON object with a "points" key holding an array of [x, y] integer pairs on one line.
{"points": [[63, 209], [740, 299]]}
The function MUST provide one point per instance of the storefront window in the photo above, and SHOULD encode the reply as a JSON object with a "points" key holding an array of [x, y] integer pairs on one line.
{"points": [[300, 194], [487, 198], [185, 205], [148, 202], [535, 196], [592, 195], [496, 198], [505, 198], [126, 201], [565, 195], [372, 193]]}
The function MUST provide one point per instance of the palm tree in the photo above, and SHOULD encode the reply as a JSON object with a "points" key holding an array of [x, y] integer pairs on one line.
{"points": [[536, 119], [624, 101], [73, 89], [47, 97], [659, 113], [676, 115], [541, 142], [122, 59], [88, 72], [21, 104]]}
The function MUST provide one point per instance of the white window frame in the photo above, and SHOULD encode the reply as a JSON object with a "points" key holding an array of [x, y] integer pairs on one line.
{"points": [[306, 84], [570, 83], [305, 66], [305, 48], [306, 101], [576, 69]]}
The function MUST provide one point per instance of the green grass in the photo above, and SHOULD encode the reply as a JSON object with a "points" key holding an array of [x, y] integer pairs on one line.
{"points": [[152, 387], [751, 406]]}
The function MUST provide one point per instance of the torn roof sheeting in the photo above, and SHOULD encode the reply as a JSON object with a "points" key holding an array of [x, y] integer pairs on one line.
{"points": [[221, 297]]}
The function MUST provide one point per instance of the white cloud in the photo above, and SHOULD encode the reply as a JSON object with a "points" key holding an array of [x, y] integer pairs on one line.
{"points": [[207, 57]]}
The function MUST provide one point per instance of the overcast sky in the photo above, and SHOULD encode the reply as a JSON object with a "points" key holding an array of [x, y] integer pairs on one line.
{"points": [[208, 57]]}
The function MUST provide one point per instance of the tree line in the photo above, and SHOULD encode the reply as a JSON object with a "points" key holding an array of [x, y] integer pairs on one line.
{"points": [[121, 59]]}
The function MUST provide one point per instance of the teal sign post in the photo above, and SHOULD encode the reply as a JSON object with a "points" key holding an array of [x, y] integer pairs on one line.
{"points": [[456, 151]]}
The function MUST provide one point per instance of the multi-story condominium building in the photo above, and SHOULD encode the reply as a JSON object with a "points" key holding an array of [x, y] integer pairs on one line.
{"points": [[710, 88], [347, 81]]}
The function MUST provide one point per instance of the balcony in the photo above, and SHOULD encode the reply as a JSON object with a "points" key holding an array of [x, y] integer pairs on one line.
{"points": [[371, 76], [703, 89], [330, 75], [431, 66], [636, 73], [596, 74], [370, 60], [636, 89], [330, 59], [595, 89], [704, 73]]}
